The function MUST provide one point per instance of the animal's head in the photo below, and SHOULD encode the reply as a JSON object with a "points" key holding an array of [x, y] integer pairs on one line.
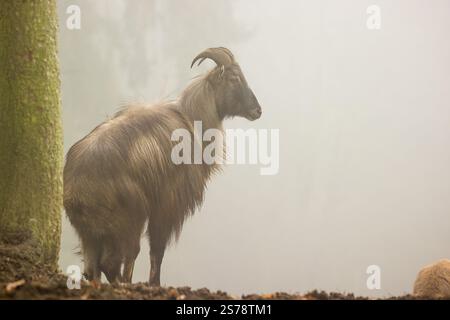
{"points": [[232, 94]]}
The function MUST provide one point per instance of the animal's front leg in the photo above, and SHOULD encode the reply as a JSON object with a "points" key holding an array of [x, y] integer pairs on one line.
{"points": [[158, 241], [155, 267]]}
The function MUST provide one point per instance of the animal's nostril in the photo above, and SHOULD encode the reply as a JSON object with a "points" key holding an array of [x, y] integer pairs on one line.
{"points": [[259, 110]]}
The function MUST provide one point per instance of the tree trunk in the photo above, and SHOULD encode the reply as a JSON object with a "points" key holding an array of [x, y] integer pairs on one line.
{"points": [[30, 128]]}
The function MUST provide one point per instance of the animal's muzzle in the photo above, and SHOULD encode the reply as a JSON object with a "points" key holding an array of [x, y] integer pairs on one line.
{"points": [[255, 113]]}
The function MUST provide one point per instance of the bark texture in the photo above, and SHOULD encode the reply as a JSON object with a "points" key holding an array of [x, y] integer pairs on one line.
{"points": [[30, 127]]}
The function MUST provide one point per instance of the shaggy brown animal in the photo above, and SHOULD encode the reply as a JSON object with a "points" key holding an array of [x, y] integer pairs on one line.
{"points": [[121, 174], [433, 281]]}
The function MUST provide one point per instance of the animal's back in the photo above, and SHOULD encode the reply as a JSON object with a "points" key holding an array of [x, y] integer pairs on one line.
{"points": [[121, 173]]}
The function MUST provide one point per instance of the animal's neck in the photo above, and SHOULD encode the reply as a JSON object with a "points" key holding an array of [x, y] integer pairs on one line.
{"points": [[197, 104]]}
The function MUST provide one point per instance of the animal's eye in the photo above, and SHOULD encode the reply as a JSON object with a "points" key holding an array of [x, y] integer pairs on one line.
{"points": [[236, 79]]}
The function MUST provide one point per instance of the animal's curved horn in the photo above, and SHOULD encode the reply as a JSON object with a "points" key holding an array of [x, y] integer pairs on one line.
{"points": [[228, 52], [221, 56]]}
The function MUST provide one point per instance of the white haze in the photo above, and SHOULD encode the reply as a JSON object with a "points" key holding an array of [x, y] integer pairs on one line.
{"points": [[364, 120]]}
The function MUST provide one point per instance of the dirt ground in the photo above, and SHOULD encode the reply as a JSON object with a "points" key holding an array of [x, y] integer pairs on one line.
{"points": [[22, 278], [56, 289]]}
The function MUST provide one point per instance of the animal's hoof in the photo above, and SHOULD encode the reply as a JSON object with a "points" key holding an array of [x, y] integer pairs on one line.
{"points": [[154, 285], [95, 284]]}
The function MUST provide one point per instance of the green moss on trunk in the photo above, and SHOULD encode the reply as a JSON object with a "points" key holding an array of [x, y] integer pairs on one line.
{"points": [[30, 125]]}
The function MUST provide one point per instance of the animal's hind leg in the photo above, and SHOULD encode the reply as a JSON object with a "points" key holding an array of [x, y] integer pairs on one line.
{"points": [[130, 258], [91, 254], [159, 238], [111, 261], [128, 267]]}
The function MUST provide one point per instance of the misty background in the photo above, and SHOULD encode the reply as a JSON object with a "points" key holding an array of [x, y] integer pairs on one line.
{"points": [[364, 120]]}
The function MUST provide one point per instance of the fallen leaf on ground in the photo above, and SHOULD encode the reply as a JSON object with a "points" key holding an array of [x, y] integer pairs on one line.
{"points": [[10, 287]]}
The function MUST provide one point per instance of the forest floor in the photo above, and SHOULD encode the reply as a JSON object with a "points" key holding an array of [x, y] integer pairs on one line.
{"points": [[56, 288], [22, 278]]}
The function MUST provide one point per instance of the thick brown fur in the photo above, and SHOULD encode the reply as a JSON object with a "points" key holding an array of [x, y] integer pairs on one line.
{"points": [[121, 175]]}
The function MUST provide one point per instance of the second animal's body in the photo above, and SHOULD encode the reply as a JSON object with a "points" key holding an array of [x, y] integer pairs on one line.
{"points": [[120, 176]]}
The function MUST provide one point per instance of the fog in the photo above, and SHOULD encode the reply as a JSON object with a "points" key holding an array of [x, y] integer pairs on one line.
{"points": [[364, 123]]}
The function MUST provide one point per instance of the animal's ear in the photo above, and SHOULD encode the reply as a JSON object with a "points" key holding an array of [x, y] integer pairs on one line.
{"points": [[221, 72]]}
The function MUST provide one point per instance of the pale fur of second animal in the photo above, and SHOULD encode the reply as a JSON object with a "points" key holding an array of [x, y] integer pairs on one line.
{"points": [[120, 177], [433, 281]]}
